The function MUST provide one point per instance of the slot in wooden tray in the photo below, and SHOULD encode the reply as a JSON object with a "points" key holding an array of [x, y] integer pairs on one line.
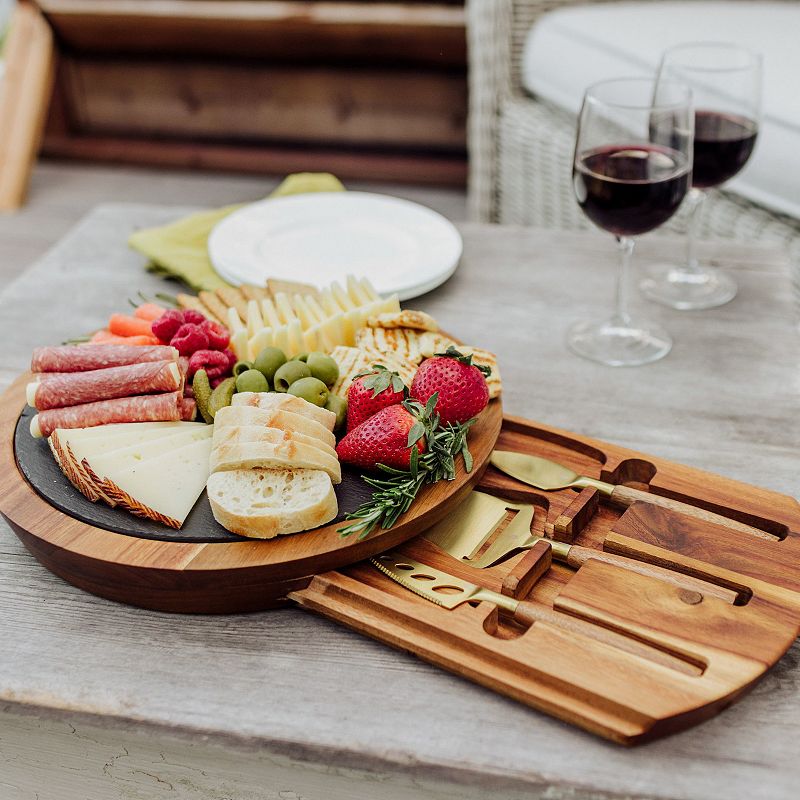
{"points": [[659, 658]]}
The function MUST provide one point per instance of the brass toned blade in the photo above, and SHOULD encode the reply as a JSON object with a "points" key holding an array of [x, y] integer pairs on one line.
{"points": [[432, 584], [461, 533], [538, 472], [516, 535], [541, 473]]}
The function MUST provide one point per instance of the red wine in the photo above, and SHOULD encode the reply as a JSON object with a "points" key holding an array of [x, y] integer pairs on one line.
{"points": [[722, 145], [628, 190]]}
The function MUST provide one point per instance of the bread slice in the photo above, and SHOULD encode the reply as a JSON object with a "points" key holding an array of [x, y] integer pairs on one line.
{"points": [[263, 503], [269, 418], [236, 434], [281, 401], [285, 455]]}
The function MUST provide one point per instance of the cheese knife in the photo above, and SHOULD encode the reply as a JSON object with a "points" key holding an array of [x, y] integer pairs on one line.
{"points": [[549, 476], [448, 591], [463, 534]]}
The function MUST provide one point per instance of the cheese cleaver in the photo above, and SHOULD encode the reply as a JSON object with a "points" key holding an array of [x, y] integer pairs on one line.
{"points": [[541, 473]]}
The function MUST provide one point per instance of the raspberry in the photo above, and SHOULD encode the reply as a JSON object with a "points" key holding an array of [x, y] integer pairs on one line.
{"points": [[166, 326], [193, 317], [189, 339], [218, 336], [216, 363]]}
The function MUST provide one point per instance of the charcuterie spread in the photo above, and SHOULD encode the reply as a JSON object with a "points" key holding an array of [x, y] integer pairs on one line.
{"points": [[260, 395]]}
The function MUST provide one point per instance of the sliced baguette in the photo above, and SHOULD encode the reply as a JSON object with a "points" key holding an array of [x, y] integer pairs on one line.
{"points": [[280, 401], [236, 434], [285, 455], [284, 420], [263, 503]]}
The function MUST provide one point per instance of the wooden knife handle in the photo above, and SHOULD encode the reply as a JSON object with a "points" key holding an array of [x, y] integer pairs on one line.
{"points": [[626, 496], [528, 613], [578, 556]]}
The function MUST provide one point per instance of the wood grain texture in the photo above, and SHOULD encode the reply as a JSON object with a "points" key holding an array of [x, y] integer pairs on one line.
{"points": [[29, 67], [649, 653], [318, 704], [214, 577]]}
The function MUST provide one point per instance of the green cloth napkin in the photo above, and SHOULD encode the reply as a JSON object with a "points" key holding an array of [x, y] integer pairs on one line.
{"points": [[180, 250]]}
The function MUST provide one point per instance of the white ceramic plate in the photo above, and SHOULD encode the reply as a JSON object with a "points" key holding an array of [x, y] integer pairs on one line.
{"points": [[317, 238]]}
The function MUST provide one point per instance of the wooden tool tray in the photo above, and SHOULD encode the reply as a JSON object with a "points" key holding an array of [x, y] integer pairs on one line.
{"points": [[660, 657]]}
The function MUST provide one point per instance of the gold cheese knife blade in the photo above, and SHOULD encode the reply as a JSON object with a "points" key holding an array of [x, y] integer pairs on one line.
{"points": [[549, 476], [463, 532], [541, 473], [437, 586]]}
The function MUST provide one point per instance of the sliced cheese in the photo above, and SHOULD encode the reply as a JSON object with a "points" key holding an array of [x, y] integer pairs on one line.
{"points": [[270, 313], [284, 306], [262, 339], [254, 320], [133, 454], [234, 321], [356, 291], [138, 429], [294, 334], [369, 289], [341, 297], [239, 342], [165, 488]]}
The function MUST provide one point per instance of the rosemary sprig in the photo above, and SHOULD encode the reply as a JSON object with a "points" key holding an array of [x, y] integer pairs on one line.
{"points": [[394, 495]]}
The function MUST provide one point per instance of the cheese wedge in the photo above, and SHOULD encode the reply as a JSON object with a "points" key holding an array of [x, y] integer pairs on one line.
{"points": [[133, 454], [273, 418], [164, 488], [235, 434], [286, 402], [287, 454], [138, 428]]}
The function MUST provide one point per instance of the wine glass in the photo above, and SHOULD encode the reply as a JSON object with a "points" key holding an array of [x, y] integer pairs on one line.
{"points": [[632, 167], [726, 85]]}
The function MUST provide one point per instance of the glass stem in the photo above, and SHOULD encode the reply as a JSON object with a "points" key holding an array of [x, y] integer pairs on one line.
{"points": [[697, 199], [621, 315]]}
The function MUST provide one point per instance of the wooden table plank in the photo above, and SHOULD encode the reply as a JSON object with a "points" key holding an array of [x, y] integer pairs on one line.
{"points": [[294, 689]]}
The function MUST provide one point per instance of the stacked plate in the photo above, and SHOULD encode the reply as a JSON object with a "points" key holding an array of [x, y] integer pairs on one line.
{"points": [[400, 246]]}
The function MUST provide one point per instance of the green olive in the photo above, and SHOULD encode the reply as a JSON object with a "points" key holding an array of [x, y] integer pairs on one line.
{"points": [[288, 373], [268, 361], [339, 407], [311, 389], [241, 366], [324, 367], [251, 380], [299, 357]]}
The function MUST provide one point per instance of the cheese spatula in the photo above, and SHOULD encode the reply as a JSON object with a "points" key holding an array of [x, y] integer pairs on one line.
{"points": [[541, 473]]}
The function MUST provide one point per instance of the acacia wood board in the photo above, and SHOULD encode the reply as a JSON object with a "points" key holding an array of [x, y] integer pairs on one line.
{"points": [[205, 570], [627, 656]]}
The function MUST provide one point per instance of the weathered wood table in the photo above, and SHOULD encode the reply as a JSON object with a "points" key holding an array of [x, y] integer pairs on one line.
{"points": [[99, 701]]}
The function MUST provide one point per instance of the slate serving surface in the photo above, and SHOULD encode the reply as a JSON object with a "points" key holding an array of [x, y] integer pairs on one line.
{"points": [[42, 473]]}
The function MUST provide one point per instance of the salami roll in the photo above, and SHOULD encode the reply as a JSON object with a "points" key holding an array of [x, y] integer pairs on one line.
{"points": [[188, 409], [77, 358], [146, 408], [76, 388]]}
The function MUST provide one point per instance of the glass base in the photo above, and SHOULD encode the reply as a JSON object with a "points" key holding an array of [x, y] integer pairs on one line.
{"points": [[619, 344], [686, 290]]}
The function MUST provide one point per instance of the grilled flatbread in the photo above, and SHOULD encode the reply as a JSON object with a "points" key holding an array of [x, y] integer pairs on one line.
{"points": [[407, 318], [402, 342]]}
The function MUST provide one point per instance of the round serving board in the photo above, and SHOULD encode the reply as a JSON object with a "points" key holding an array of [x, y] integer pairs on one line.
{"points": [[201, 568]]}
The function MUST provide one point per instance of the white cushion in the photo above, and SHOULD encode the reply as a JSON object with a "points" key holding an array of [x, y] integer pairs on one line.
{"points": [[571, 48]]}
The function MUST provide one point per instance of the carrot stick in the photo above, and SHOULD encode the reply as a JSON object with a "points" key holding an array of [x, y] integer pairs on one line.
{"points": [[148, 311], [120, 325], [106, 337]]}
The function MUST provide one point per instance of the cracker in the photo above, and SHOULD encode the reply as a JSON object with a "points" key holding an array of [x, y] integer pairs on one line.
{"points": [[407, 318]]}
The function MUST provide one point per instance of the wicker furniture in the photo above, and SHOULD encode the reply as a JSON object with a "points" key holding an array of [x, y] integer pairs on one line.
{"points": [[521, 148]]}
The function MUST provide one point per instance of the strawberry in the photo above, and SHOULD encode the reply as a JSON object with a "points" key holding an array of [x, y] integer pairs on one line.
{"points": [[461, 385], [386, 437], [370, 392]]}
